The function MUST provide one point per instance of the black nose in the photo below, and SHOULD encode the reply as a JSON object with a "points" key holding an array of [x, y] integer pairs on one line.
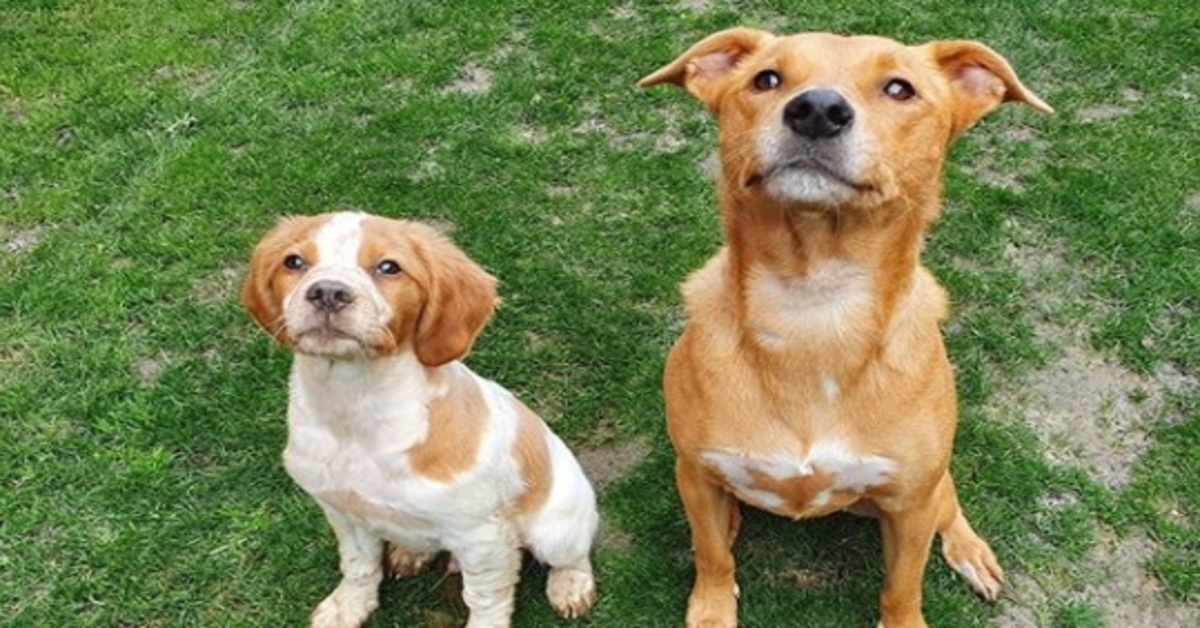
{"points": [[818, 113], [329, 296]]}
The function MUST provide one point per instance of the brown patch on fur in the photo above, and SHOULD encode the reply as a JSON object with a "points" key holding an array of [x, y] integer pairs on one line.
{"points": [[533, 459], [800, 491], [457, 420], [268, 281], [461, 298]]}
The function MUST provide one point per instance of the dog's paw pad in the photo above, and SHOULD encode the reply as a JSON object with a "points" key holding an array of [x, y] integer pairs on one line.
{"points": [[572, 592]]}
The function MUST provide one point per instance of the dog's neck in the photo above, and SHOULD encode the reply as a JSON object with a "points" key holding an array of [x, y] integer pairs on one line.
{"points": [[334, 381], [819, 246], [792, 241]]}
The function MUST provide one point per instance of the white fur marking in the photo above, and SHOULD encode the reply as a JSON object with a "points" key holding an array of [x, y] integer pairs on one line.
{"points": [[735, 470], [850, 471], [821, 305], [830, 386]]}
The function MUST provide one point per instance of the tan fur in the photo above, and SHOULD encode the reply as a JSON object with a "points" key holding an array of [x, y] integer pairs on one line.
{"points": [[266, 285], [815, 326], [457, 420], [533, 460]]}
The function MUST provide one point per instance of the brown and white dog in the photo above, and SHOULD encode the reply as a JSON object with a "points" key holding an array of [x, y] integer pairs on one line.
{"points": [[397, 440], [811, 376]]}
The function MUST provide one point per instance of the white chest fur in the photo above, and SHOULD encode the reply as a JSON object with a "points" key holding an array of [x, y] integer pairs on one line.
{"points": [[825, 305], [829, 475], [350, 426]]}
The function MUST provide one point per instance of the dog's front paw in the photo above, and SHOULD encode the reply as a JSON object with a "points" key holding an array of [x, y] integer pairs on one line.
{"points": [[713, 609], [343, 609], [572, 592]]}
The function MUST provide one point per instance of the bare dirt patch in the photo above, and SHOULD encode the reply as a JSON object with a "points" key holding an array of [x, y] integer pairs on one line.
{"points": [[1102, 113], [148, 369], [1123, 590], [695, 6], [1093, 413], [605, 464], [476, 80], [219, 287], [20, 241], [1088, 409], [1007, 156], [1193, 200], [530, 134]]}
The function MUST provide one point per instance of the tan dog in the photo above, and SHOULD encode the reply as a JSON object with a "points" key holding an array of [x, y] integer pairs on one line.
{"points": [[396, 439], [812, 376]]}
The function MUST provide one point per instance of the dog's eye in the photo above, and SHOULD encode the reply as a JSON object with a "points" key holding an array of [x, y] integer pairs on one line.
{"points": [[294, 262], [767, 80], [899, 89], [387, 267]]}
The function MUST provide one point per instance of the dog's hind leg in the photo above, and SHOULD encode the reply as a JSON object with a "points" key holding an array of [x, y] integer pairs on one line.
{"points": [[560, 535]]}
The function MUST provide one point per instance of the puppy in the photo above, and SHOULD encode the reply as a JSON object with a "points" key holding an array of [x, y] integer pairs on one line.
{"points": [[397, 440], [811, 376]]}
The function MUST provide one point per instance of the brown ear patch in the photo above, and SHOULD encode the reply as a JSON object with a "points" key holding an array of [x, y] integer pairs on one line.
{"points": [[981, 80], [460, 299], [702, 66], [267, 281]]}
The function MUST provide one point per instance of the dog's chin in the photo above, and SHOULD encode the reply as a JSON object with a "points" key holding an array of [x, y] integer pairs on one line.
{"points": [[808, 187], [815, 186], [330, 342]]}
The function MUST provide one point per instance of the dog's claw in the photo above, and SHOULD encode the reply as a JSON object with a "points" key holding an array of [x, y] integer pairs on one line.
{"points": [[976, 563], [572, 592]]}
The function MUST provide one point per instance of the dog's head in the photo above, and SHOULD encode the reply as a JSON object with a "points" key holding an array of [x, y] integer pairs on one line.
{"points": [[351, 285], [817, 119]]}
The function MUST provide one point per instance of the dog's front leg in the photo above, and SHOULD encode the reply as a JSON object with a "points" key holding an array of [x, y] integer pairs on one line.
{"points": [[713, 517], [360, 555], [907, 538], [490, 559]]}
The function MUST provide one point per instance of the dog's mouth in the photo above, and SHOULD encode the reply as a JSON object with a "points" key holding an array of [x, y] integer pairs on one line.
{"points": [[810, 165], [326, 336]]}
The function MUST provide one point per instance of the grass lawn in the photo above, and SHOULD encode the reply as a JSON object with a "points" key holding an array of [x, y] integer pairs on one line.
{"points": [[145, 145]]}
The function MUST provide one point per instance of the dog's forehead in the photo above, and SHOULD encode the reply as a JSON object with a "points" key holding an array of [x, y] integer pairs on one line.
{"points": [[830, 51], [339, 239]]}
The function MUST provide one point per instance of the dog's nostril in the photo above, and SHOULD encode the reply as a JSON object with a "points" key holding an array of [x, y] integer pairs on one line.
{"points": [[329, 296], [818, 113]]}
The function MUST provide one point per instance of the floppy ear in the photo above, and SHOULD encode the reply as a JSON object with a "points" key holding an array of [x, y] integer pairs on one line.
{"points": [[258, 292], [460, 298], [981, 80], [705, 63]]}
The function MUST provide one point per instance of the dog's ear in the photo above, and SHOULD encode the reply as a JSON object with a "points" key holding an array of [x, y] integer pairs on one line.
{"points": [[980, 80], [707, 62], [460, 298], [259, 294]]}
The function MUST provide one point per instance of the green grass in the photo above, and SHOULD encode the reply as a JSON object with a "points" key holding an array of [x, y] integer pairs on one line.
{"points": [[143, 149]]}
